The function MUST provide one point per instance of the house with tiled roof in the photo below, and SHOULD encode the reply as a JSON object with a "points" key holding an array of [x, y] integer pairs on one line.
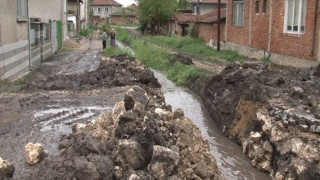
{"points": [[102, 9], [204, 24], [206, 6], [124, 16]]}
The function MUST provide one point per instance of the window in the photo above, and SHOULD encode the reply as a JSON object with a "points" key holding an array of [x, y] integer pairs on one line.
{"points": [[106, 9], [21, 10], [257, 6], [295, 15], [99, 10], [264, 6], [238, 12]]}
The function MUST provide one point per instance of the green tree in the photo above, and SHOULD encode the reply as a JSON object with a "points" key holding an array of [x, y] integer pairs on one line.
{"points": [[156, 12], [183, 4]]}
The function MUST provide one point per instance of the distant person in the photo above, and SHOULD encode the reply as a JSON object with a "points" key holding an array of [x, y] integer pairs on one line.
{"points": [[95, 28], [113, 38], [104, 39], [142, 29]]}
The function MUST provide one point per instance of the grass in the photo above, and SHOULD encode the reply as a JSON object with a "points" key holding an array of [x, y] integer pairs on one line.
{"points": [[158, 59], [195, 47], [110, 51]]}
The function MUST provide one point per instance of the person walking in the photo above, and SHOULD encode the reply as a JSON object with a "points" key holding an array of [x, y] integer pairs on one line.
{"points": [[113, 38], [104, 39], [95, 29]]}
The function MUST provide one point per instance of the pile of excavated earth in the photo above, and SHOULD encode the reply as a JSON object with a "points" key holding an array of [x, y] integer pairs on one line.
{"points": [[140, 139], [273, 114]]}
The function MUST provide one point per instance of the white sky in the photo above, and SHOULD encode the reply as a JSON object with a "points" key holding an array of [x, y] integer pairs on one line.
{"points": [[126, 3]]}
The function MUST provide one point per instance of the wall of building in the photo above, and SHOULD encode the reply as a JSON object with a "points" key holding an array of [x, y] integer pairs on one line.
{"points": [[293, 44], [259, 27], [14, 46], [104, 13], [255, 33], [121, 20], [238, 34], [209, 32]]}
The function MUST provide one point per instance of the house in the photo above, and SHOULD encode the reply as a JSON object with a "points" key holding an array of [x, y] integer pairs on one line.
{"points": [[286, 31], [102, 9], [206, 6], [123, 16], [205, 25], [78, 16], [30, 31]]}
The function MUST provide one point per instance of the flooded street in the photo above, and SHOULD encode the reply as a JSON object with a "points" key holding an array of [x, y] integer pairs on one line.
{"points": [[232, 163]]}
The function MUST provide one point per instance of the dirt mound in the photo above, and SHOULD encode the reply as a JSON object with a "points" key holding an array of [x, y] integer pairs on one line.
{"points": [[117, 71], [71, 44], [180, 58], [273, 114], [140, 139]]}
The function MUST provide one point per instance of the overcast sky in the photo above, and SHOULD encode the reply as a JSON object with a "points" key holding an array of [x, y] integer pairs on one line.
{"points": [[126, 3]]}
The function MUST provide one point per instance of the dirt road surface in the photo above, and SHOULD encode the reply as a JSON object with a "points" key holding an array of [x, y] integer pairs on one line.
{"points": [[37, 115]]}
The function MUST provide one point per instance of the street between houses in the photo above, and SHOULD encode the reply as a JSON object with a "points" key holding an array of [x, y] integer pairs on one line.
{"points": [[79, 86]]}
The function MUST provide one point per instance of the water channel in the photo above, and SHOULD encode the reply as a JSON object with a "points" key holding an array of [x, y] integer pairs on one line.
{"points": [[233, 164]]}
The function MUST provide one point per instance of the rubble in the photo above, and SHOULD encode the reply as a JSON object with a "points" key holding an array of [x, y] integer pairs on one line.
{"points": [[33, 153], [6, 169], [273, 114], [111, 72], [135, 141]]}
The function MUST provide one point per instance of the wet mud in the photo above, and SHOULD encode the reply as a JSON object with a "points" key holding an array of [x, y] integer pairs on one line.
{"points": [[272, 114]]}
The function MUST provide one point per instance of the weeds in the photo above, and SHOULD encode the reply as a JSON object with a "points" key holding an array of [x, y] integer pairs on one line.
{"points": [[85, 32], [157, 58], [110, 51], [195, 47]]}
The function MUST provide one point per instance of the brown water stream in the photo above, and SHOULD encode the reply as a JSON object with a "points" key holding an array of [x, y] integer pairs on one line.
{"points": [[233, 164]]}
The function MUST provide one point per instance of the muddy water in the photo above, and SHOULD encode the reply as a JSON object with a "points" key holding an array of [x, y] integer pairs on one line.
{"points": [[232, 163]]}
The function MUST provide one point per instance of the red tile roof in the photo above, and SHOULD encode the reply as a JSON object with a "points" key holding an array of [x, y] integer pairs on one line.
{"points": [[105, 3], [209, 17]]}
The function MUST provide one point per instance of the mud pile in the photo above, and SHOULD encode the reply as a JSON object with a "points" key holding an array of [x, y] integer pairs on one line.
{"points": [[116, 71], [274, 115], [140, 139]]}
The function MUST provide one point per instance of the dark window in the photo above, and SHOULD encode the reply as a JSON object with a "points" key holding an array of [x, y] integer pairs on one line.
{"points": [[257, 6], [265, 5]]}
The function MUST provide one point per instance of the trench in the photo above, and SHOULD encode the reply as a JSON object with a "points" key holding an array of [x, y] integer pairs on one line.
{"points": [[232, 163]]}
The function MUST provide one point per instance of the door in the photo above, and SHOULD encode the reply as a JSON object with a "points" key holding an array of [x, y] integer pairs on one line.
{"points": [[59, 34], [54, 36]]}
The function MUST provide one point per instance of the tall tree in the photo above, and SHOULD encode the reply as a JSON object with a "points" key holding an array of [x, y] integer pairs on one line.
{"points": [[183, 4], [156, 12]]}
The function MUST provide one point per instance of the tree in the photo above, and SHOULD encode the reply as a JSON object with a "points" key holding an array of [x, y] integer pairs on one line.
{"points": [[183, 4], [155, 12]]}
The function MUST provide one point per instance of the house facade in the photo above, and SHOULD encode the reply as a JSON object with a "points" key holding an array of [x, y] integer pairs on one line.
{"points": [[102, 10], [30, 31], [286, 31], [205, 6]]}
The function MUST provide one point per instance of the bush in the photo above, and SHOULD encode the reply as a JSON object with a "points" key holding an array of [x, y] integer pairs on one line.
{"points": [[85, 32]]}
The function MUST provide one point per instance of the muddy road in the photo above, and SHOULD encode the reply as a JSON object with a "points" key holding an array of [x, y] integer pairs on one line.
{"points": [[45, 110]]}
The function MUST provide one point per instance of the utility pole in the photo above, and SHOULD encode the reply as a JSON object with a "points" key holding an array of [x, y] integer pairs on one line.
{"points": [[218, 37]]}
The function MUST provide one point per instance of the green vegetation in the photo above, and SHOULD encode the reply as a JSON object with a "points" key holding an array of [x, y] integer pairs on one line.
{"points": [[155, 12], [195, 47], [158, 59], [123, 35], [85, 32], [108, 52], [266, 60]]}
